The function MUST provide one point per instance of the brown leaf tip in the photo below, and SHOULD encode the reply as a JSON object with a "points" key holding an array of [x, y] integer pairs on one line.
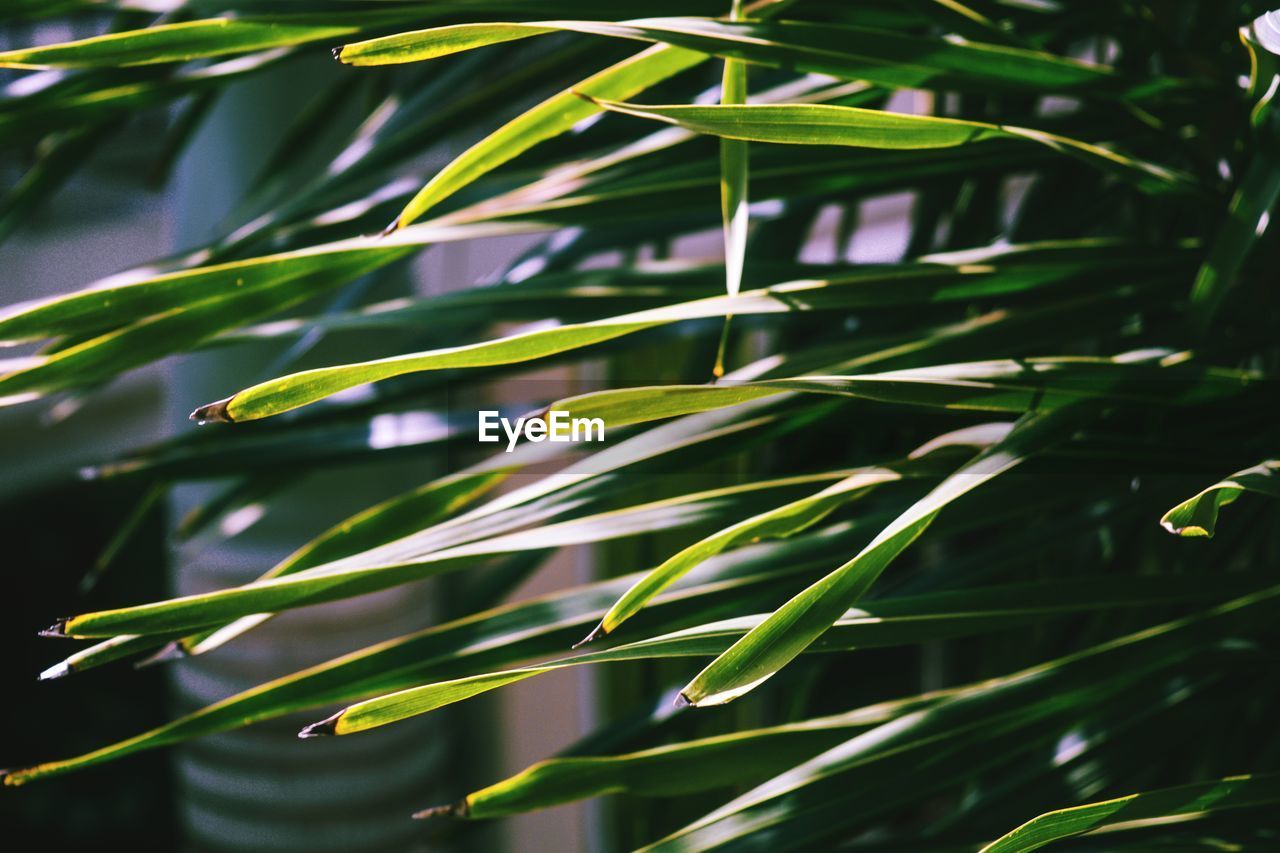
{"points": [[337, 52], [596, 633], [213, 413], [321, 729], [169, 651], [390, 229], [458, 809], [57, 629]]}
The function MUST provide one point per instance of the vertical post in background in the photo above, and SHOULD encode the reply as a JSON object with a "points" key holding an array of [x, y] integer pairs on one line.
{"points": [[261, 788]]}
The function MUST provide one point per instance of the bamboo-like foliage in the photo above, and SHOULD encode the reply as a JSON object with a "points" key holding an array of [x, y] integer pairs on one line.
{"points": [[975, 453]]}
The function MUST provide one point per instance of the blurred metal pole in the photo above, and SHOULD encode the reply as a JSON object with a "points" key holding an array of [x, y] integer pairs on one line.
{"points": [[261, 788]]}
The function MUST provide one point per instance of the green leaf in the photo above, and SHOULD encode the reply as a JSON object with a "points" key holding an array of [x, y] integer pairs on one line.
{"points": [[387, 521], [881, 57], [554, 116], [1246, 221], [734, 174], [394, 564], [786, 521], [148, 339], [490, 638], [941, 279], [575, 295], [887, 622], [1038, 384], [561, 112], [59, 157], [1010, 386], [1255, 197], [1150, 808], [333, 440], [290, 392], [1198, 516], [806, 617], [827, 124], [72, 105], [107, 651], [981, 729], [129, 297], [236, 293], [180, 42], [680, 768]]}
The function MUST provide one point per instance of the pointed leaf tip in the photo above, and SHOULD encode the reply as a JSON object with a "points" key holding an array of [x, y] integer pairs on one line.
{"points": [[458, 809], [337, 52], [213, 413], [596, 633], [390, 229], [57, 629], [682, 701], [167, 652], [323, 728]]}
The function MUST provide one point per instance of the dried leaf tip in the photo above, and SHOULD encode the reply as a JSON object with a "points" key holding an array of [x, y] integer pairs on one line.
{"points": [[213, 413], [321, 729], [58, 670], [337, 52], [57, 629], [682, 701], [458, 809], [390, 229], [170, 651], [596, 633]]}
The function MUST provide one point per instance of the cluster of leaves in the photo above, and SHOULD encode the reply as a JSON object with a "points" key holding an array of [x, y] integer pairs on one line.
{"points": [[966, 458]]}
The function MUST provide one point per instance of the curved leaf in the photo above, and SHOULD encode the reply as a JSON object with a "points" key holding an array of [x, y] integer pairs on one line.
{"points": [[932, 749], [789, 519], [828, 124], [290, 392], [549, 119], [496, 637], [887, 622], [807, 616], [680, 768], [877, 56], [1201, 800], [1198, 516], [383, 568], [179, 42]]}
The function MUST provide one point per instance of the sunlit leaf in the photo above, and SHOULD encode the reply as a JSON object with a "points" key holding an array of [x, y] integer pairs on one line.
{"points": [[178, 42], [1198, 516], [791, 629], [825, 124], [1149, 808], [872, 625]]}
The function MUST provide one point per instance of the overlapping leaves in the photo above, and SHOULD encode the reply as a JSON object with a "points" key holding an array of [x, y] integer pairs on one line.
{"points": [[1067, 271]]}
